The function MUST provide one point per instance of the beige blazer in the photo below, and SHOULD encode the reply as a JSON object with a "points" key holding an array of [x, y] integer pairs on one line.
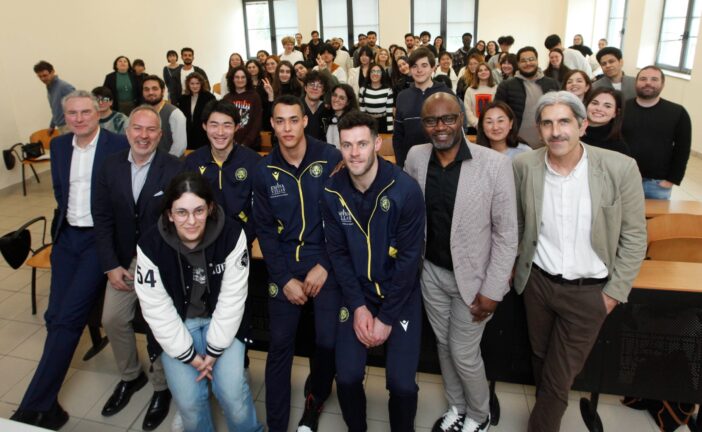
{"points": [[618, 215], [484, 223]]}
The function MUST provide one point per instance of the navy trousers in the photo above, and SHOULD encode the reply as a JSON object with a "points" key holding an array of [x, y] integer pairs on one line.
{"points": [[401, 362], [283, 321], [76, 282]]}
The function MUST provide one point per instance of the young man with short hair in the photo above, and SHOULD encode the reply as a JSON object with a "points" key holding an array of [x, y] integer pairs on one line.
{"points": [[374, 226], [407, 130], [612, 63], [113, 121], [288, 185], [56, 89], [318, 115]]}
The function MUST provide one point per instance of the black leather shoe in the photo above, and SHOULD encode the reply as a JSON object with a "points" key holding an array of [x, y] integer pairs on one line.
{"points": [[123, 392], [26, 417], [157, 410], [53, 419]]}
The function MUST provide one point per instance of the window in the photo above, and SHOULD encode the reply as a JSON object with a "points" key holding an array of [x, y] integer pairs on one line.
{"points": [[260, 16], [678, 36], [616, 23], [347, 18], [449, 18]]}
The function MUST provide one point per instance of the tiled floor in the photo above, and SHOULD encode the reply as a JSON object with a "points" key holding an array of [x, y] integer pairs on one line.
{"points": [[89, 384]]}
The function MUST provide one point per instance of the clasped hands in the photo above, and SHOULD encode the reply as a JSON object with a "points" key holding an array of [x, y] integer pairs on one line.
{"points": [[370, 331], [298, 292]]}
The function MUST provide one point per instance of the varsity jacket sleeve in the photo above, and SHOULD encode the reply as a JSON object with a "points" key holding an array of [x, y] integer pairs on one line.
{"points": [[408, 264], [160, 312], [340, 257], [267, 231], [503, 249], [180, 138], [103, 218], [681, 149], [229, 311]]}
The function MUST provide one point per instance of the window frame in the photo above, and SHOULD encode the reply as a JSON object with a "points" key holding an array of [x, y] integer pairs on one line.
{"points": [[350, 37], [443, 23], [685, 36], [622, 31], [272, 28]]}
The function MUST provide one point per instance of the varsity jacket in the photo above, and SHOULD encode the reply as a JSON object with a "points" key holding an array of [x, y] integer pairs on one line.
{"points": [[163, 281], [232, 182], [379, 261], [286, 208]]}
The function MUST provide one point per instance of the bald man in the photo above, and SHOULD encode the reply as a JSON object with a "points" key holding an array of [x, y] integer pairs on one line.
{"points": [[471, 244]]}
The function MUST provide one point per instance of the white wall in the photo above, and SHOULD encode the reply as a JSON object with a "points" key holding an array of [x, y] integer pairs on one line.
{"points": [[83, 38]]}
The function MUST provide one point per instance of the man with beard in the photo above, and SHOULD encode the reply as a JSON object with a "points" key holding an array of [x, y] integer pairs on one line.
{"points": [[658, 133], [378, 273], [522, 92], [460, 299], [409, 43], [174, 139], [180, 75], [582, 238]]}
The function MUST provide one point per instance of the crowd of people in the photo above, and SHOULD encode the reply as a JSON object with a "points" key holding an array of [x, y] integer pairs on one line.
{"points": [[548, 201]]}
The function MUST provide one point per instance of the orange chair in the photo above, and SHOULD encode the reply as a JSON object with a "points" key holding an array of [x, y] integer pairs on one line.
{"points": [[44, 137], [217, 88], [266, 141]]}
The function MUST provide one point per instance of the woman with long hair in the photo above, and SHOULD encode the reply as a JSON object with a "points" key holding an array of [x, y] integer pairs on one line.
{"points": [[382, 58], [508, 65], [284, 82], [439, 44], [556, 68], [578, 83], [493, 49], [342, 100], [604, 120], [377, 99], [124, 85], [300, 72], [401, 77], [465, 75], [480, 93], [235, 60], [245, 98], [498, 130], [196, 95], [271, 65], [192, 283], [359, 75], [170, 71]]}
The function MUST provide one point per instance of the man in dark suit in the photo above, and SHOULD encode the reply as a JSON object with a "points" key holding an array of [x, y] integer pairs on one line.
{"points": [[76, 277], [127, 203]]}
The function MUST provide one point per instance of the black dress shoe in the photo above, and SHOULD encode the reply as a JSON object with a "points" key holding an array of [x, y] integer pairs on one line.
{"points": [[157, 410], [123, 392], [53, 419], [26, 417]]}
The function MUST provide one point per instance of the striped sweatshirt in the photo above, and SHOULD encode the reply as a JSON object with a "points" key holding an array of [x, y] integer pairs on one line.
{"points": [[377, 102]]}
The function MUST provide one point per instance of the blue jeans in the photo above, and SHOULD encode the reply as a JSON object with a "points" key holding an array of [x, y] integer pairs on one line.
{"points": [[653, 189], [229, 385]]}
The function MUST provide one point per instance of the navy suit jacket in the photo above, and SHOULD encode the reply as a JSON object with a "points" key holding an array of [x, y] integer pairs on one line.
{"points": [[118, 220], [61, 154]]}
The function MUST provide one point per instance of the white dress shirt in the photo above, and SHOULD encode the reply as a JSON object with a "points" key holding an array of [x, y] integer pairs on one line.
{"points": [[564, 246], [79, 213]]}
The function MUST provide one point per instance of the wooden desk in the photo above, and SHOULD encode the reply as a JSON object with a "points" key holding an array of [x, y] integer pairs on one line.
{"points": [[670, 276], [660, 207]]}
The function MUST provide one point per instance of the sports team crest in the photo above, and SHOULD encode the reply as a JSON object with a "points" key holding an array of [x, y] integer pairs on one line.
{"points": [[276, 174], [241, 174], [316, 170], [343, 314], [202, 169], [272, 289], [384, 204]]}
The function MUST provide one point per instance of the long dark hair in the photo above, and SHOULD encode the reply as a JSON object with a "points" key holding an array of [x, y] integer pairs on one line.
{"points": [[384, 78], [560, 72], [295, 87], [230, 79], [350, 95], [616, 133], [512, 137], [261, 70], [188, 181]]}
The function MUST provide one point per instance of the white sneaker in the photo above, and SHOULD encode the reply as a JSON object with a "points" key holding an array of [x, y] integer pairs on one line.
{"points": [[177, 424], [304, 429], [471, 425], [451, 421]]}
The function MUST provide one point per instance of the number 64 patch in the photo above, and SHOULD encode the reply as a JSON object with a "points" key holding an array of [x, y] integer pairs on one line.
{"points": [[147, 278]]}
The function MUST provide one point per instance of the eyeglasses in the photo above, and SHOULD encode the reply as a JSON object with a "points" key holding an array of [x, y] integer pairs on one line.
{"points": [[315, 85], [527, 60], [447, 119], [104, 99], [181, 215], [376, 72]]}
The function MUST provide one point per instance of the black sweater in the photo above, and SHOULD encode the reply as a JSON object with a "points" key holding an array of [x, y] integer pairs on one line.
{"points": [[598, 137], [659, 138]]}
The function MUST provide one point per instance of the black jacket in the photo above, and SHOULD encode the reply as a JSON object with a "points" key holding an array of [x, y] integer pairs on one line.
{"points": [[513, 93], [196, 134], [111, 83]]}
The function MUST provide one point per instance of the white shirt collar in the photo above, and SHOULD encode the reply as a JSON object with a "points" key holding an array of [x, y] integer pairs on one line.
{"points": [[92, 144], [577, 171]]}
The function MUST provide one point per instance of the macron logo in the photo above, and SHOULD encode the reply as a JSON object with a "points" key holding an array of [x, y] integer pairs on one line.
{"points": [[404, 324]]}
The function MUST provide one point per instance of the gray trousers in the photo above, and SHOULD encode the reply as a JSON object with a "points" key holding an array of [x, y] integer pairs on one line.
{"points": [[458, 342], [117, 315]]}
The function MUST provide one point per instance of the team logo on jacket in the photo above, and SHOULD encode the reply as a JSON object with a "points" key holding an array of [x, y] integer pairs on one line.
{"points": [[316, 170], [276, 174], [202, 169], [343, 314], [272, 289], [384, 204], [278, 190], [241, 174], [218, 268], [243, 261], [345, 217]]}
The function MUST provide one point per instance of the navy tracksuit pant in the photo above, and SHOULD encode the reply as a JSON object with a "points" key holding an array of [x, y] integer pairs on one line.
{"points": [[76, 283], [402, 359], [283, 321]]}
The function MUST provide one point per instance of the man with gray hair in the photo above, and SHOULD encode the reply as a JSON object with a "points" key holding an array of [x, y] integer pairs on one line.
{"points": [[582, 237], [128, 196], [76, 277]]}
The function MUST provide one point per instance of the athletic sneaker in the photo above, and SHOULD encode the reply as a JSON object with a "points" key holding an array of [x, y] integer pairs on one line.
{"points": [[451, 421], [310, 418], [471, 425]]}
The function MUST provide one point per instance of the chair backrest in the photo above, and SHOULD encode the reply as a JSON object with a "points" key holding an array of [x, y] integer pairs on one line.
{"points": [[266, 141], [386, 149], [217, 88], [43, 136], [675, 237]]}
